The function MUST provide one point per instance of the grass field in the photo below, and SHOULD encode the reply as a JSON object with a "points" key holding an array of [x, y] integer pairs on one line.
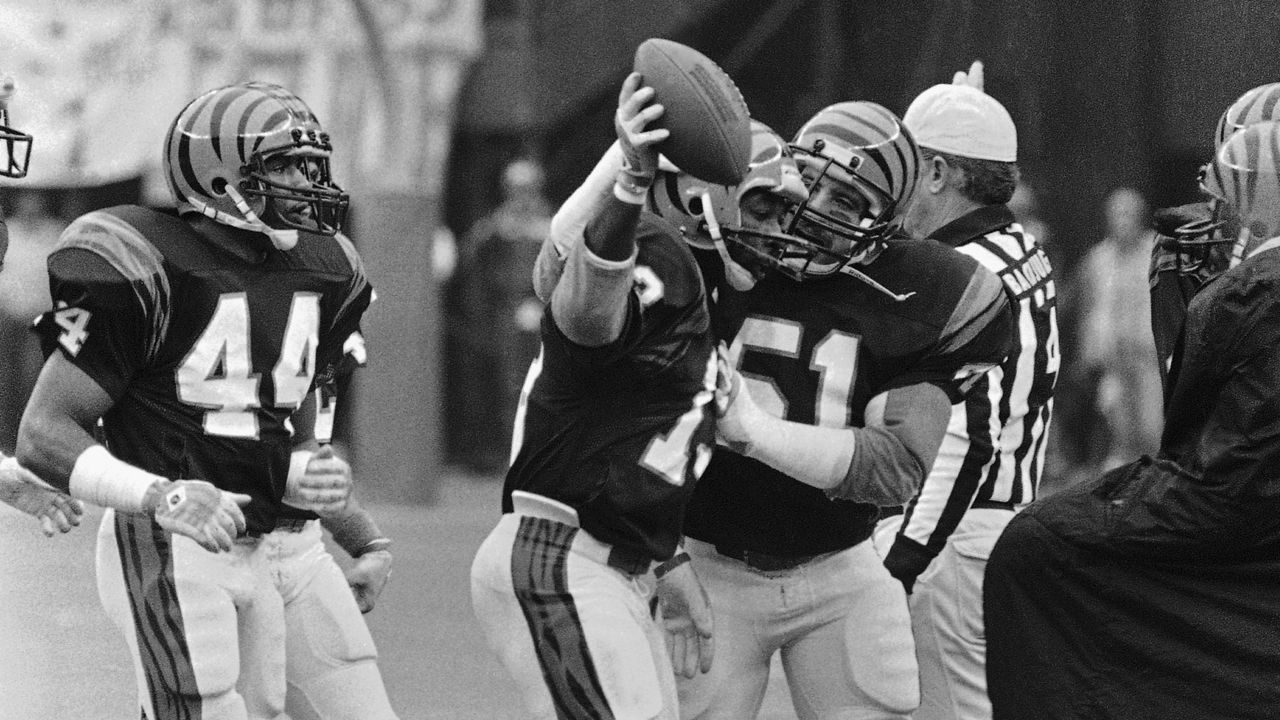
{"points": [[61, 658]]}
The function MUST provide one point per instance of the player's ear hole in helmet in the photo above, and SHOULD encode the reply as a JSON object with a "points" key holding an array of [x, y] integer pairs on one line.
{"points": [[743, 222], [860, 165], [17, 144], [230, 154]]}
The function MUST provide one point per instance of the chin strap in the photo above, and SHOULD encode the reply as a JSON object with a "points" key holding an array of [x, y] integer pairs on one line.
{"points": [[1237, 249], [281, 239], [852, 271], [739, 278]]}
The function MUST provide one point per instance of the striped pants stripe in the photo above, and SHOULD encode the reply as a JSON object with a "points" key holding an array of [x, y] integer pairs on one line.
{"points": [[206, 631], [574, 633]]}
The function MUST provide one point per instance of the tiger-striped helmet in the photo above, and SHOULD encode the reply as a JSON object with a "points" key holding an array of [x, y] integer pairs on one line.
{"points": [[1259, 104], [216, 152], [707, 213], [17, 143], [864, 147], [1245, 178]]}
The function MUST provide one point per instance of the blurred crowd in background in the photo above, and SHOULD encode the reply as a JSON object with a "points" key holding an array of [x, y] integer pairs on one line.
{"points": [[460, 124]]}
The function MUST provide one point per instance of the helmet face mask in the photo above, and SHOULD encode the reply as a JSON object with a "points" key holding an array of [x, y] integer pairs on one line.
{"points": [[222, 159], [17, 144], [746, 222], [845, 216], [315, 204], [860, 166]]}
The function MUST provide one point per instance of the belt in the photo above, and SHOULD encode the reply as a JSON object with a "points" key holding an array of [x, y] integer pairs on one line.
{"points": [[284, 524], [628, 561], [765, 561], [623, 559]]}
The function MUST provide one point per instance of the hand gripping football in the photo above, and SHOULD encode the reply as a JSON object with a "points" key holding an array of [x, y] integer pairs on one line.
{"points": [[708, 119]]}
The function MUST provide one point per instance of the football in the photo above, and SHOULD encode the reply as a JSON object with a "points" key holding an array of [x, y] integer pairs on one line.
{"points": [[706, 114]]}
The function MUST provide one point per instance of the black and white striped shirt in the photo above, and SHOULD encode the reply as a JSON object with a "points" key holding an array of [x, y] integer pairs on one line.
{"points": [[993, 453]]}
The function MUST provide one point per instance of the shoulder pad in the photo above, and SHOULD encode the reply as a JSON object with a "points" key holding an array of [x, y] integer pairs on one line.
{"points": [[122, 245]]}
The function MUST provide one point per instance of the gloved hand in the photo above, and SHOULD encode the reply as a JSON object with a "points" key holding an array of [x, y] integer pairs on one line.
{"points": [[687, 619], [737, 413], [639, 146], [198, 510], [323, 485], [21, 488], [367, 576]]}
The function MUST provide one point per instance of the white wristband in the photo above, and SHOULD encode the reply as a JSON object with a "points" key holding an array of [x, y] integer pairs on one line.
{"points": [[102, 479], [627, 193]]}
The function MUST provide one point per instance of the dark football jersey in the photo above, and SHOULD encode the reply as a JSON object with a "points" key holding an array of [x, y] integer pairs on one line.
{"points": [[622, 432], [816, 352], [205, 344]]}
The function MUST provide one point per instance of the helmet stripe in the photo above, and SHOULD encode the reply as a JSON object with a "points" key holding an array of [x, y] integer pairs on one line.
{"points": [[1269, 105], [1249, 165], [244, 125], [184, 164], [215, 118], [1270, 178], [276, 119]]}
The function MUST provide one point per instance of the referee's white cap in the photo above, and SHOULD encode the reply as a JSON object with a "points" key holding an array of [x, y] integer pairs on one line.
{"points": [[962, 120]]}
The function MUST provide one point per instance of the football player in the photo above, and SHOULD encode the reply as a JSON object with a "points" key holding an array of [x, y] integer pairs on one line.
{"points": [[196, 336], [1151, 591], [992, 458], [1193, 241], [56, 511], [614, 428], [843, 362]]}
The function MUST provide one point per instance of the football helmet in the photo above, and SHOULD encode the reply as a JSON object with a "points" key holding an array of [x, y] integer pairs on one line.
{"points": [[1196, 241], [1244, 178], [711, 216], [217, 155], [17, 143], [1259, 104], [860, 165]]}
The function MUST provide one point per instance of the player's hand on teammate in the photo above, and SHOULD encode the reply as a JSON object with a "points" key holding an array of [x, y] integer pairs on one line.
{"points": [[636, 110], [56, 511], [367, 576], [735, 409], [973, 78], [687, 619], [198, 510], [324, 487]]}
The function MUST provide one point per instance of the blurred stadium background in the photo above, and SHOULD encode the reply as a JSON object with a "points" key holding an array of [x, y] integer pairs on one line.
{"points": [[428, 102]]}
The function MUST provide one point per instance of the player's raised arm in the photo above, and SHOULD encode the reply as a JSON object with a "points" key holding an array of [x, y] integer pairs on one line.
{"points": [[590, 302], [569, 224]]}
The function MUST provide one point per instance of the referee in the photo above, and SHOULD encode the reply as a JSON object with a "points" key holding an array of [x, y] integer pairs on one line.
{"points": [[992, 457]]}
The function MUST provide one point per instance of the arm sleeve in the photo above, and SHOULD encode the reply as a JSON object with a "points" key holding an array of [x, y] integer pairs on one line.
{"points": [[568, 226], [590, 304], [881, 464], [897, 445]]}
